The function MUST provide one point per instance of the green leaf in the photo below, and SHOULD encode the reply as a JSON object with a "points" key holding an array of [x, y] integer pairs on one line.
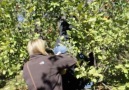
{"points": [[4, 72], [127, 84], [92, 19], [94, 80], [122, 88]]}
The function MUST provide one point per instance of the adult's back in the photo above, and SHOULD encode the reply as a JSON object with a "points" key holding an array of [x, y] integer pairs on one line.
{"points": [[42, 72]]}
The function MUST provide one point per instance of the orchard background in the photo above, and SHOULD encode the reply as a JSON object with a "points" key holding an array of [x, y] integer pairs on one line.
{"points": [[101, 26]]}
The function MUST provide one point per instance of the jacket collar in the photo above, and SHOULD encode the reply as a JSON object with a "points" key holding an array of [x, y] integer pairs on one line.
{"points": [[36, 56]]}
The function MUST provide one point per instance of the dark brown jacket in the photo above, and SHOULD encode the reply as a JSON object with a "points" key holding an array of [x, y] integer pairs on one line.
{"points": [[44, 71]]}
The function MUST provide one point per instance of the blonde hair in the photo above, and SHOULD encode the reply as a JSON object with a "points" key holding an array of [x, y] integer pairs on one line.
{"points": [[36, 46]]}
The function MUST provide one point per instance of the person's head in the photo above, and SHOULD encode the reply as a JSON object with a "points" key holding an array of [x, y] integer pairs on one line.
{"points": [[37, 46]]}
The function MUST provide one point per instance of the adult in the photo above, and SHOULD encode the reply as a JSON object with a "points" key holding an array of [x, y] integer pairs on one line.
{"points": [[42, 71]]}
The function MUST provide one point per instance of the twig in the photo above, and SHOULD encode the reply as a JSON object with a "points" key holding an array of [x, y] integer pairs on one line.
{"points": [[106, 86]]}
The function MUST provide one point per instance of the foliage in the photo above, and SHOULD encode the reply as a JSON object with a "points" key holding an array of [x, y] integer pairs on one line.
{"points": [[17, 28], [103, 29], [100, 26], [16, 83]]}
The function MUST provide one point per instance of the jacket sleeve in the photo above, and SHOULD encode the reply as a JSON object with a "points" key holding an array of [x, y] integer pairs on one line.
{"points": [[65, 61]]}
